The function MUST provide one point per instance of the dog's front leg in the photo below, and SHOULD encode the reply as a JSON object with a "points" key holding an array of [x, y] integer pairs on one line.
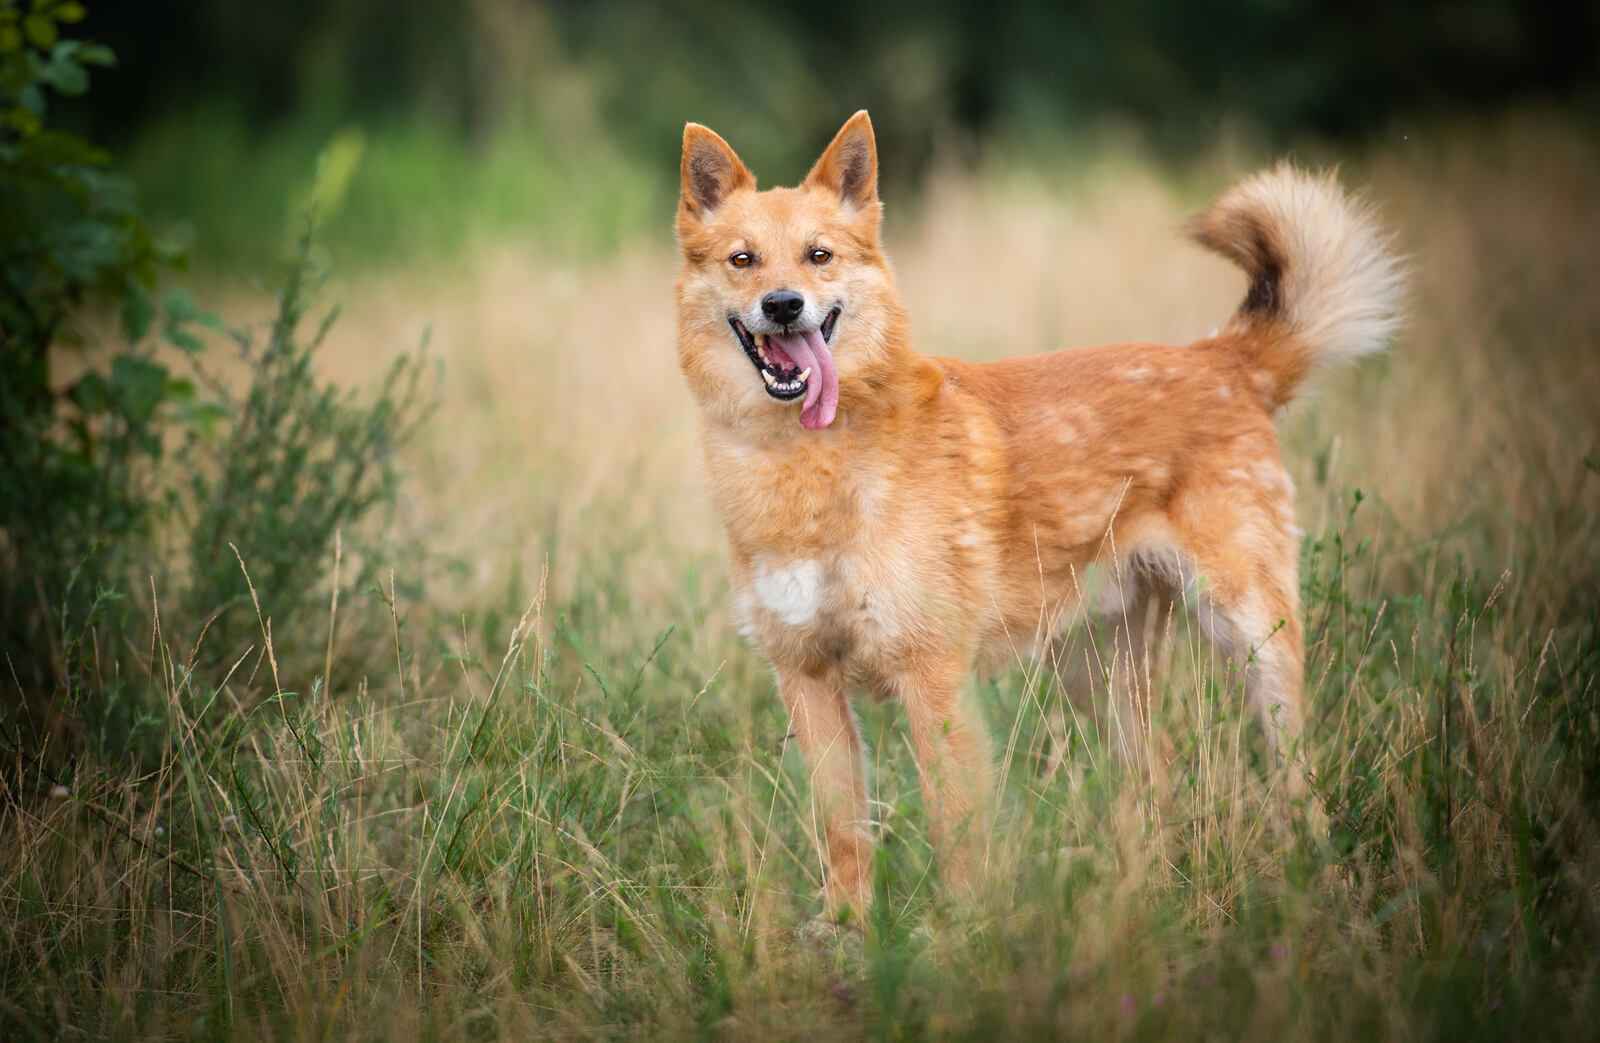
{"points": [[825, 728], [952, 749]]}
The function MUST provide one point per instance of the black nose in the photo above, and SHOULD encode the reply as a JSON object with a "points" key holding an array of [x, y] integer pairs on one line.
{"points": [[783, 306]]}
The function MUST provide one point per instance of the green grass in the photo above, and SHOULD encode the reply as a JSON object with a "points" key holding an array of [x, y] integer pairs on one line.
{"points": [[563, 825]]}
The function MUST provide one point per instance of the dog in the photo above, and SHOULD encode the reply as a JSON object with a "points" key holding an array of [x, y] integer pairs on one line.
{"points": [[894, 519]]}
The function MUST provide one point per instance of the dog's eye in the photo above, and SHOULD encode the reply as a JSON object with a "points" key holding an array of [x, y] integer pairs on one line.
{"points": [[742, 259], [821, 256]]}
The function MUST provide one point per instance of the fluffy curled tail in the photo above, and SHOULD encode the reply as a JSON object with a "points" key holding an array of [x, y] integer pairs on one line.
{"points": [[1324, 284]]}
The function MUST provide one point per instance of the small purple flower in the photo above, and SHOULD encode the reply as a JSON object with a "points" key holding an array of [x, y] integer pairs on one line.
{"points": [[1130, 1006], [1280, 951]]}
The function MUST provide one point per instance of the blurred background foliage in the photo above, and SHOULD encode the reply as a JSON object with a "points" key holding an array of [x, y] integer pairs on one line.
{"points": [[563, 118]]}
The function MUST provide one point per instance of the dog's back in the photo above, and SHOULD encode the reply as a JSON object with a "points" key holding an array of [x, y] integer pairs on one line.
{"points": [[1135, 450]]}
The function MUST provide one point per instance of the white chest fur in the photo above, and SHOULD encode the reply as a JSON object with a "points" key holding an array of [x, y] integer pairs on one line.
{"points": [[791, 591], [859, 604]]}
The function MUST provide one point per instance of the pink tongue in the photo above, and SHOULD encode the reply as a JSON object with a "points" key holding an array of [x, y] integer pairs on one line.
{"points": [[809, 351]]}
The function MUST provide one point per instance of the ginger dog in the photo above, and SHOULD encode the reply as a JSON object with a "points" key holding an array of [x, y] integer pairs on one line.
{"points": [[894, 518]]}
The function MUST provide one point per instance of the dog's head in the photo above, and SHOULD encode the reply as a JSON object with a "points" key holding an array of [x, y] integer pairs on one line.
{"points": [[785, 295]]}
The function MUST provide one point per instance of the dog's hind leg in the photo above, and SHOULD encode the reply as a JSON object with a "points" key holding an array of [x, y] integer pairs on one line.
{"points": [[1248, 603], [1140, 617], [1261, 627]]}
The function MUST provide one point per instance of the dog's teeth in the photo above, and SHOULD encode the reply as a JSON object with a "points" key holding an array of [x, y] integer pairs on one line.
{"points": [[771, 380], [804, 373]]}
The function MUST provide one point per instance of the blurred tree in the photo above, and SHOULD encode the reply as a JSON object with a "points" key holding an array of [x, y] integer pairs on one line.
{"points": [[780, 78]]}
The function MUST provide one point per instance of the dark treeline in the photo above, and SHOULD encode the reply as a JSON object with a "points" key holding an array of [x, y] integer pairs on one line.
{"points": [[780, 78]]}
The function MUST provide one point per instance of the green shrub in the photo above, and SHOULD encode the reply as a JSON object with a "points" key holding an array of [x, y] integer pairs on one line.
{"points": [[143, 484], [72, 460], [294, 463]]}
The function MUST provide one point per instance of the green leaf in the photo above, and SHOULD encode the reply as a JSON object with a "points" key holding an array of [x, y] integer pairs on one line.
{"points": [[32, 99], [26, 123], [181, 312], [137, 312], [66, 76], [70, 13], [87, 250], [97, 54], [202, 417], [139, 386], [185, 341], [10, 39], [40, 30], [56, 149], [179, 306], [91, 394]]}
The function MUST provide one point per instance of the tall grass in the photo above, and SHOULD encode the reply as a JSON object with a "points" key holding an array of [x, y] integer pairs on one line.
{"points": [[569, 807]]}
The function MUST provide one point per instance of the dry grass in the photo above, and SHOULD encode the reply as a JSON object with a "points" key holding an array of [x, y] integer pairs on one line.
{"points": [[593, 828]]}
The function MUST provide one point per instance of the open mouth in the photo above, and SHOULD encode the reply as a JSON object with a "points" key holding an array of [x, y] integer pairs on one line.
{"points": [[785, 377], [797, 363]]}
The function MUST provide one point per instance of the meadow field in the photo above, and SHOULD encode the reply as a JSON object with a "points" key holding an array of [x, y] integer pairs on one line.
{"points": [[532, 785]]}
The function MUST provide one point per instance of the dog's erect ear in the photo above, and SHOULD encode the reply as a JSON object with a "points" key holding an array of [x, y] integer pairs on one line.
{"points": [[710, 172], [849, 166]]}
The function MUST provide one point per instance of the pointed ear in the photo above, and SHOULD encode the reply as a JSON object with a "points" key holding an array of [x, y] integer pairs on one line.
{"points": [[710, 171], [849, 166]]}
